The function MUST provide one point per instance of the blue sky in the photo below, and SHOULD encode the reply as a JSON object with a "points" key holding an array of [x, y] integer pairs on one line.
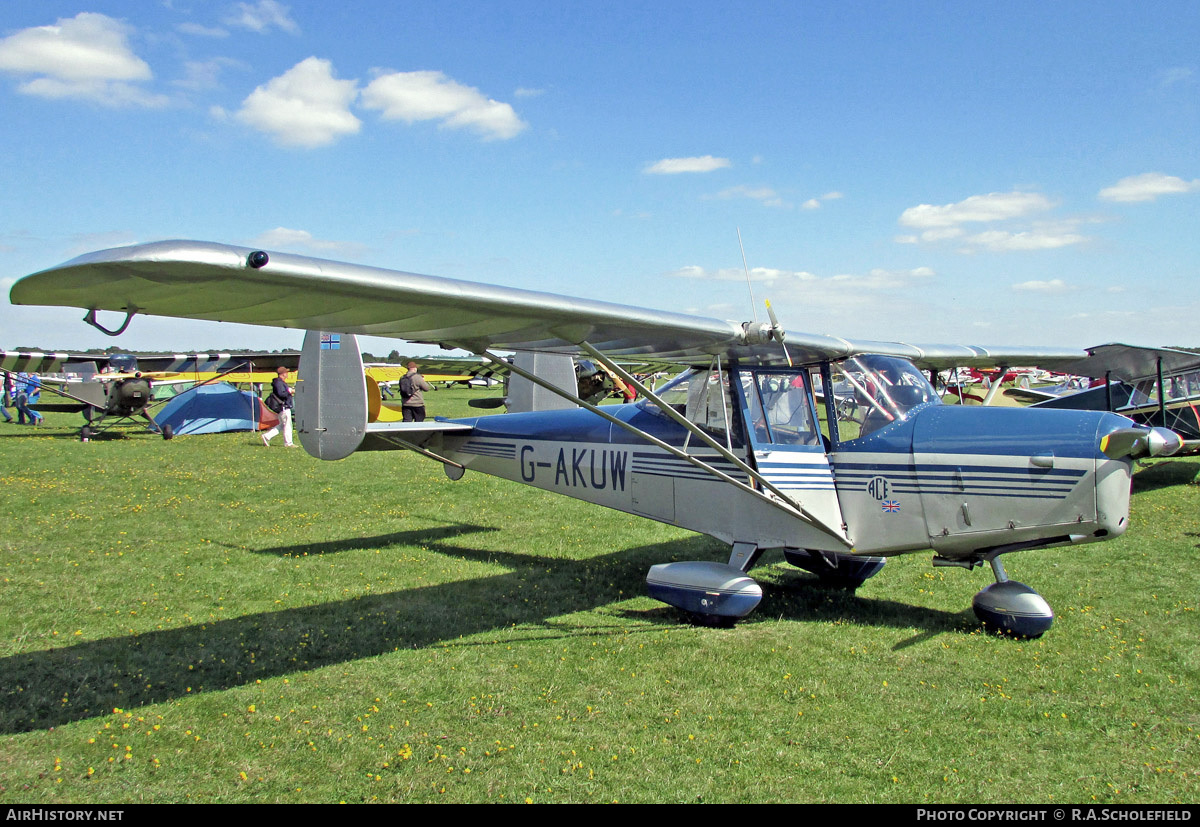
{"points": [[987, 173]]}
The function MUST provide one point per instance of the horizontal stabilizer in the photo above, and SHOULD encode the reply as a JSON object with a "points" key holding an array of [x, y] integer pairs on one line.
{"points": [[423, 437], [416, 430]]}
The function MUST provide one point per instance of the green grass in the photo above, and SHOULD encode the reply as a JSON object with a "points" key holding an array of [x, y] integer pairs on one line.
{"points": [[205, 620]]}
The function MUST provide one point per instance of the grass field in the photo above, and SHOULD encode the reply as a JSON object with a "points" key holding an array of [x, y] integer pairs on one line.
{"points": [[205, 620]]}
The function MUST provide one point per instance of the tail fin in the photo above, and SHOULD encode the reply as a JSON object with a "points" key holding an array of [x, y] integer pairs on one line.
{"points": [[331, 395]]}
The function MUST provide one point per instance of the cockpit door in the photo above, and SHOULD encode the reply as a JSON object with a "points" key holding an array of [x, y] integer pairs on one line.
{"points": [[784, 439]]}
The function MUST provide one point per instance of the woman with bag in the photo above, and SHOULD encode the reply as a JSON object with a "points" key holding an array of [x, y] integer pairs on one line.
{"points": [[280, 401]]}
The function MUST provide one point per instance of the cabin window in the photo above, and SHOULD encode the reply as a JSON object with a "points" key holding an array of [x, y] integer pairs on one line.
{"points": [[122, 363], [703, 397]]}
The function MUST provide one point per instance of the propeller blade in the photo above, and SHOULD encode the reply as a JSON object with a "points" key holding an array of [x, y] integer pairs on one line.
{"points": [[1139, 442], [778, 333]]}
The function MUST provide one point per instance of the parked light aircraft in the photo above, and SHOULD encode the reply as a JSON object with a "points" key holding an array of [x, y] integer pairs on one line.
{"points": [[736, 447], [1152, 386], [119, 387]]}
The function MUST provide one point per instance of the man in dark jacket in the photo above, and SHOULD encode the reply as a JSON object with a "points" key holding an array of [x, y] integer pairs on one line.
{"points": [[411, 396]]}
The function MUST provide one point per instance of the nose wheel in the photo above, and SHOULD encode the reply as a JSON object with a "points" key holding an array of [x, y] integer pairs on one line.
{"points": [[1007, 607]]}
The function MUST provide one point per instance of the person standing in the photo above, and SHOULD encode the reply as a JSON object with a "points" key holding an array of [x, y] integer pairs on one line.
{"points": [[281, 398], [6, 400], [412, 400], [29, 390]]}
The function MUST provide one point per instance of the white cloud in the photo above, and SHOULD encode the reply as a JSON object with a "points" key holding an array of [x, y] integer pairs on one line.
{"points": [[1053, 286], [430, 95], [282, 238], [1175, 75], [943, 234], [306, 106], [86, 57], [946, 223], [262, 16], [769, 275], [674, 166], [844, 295], [1001, 241], [763, 195], [1147, 187], [202, 31], [995, 206], [206, 74], [815, 203]]}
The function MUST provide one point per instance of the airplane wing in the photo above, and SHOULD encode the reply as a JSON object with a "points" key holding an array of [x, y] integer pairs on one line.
{"points": [[16, 361], [200, 280], [164, 363], [1132, 362], [433, 370]]}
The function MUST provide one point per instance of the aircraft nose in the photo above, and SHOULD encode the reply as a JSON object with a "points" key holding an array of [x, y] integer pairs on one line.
{"points": [[1135, 442]]}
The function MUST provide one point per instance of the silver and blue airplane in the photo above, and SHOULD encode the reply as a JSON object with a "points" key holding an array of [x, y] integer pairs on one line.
{"points": [[745, 445]]}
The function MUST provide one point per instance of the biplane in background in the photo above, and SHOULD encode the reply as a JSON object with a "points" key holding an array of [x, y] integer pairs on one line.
{"points": [[121, 387], [1158, 387], [735, 447]]}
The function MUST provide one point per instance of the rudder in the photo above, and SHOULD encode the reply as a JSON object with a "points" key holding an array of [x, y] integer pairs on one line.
{"points": [[331, 395]]}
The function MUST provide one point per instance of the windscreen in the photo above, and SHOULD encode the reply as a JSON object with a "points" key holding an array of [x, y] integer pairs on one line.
{"points": [[872, 392]]}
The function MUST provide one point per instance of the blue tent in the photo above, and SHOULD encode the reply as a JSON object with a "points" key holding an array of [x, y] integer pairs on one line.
{"points": [[212, 409]]}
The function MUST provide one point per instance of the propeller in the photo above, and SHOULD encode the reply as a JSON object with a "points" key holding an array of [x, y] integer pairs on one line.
{"points": [[775, 331], [1138, 442], [778, 333]]}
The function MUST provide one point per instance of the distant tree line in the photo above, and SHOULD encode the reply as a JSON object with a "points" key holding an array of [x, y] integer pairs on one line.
{"points": [[393, 358]]}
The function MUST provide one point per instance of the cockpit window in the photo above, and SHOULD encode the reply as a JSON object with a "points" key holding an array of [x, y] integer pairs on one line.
{"points": [[122, 362], [872, 392]]}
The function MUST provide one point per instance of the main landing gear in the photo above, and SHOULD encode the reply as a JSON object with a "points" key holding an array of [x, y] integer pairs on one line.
{"points": [[1010, 608], [718, 594], [1006, 607]]}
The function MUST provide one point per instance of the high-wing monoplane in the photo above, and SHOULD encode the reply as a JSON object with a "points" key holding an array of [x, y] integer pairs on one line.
{"points": [[736, 447]]}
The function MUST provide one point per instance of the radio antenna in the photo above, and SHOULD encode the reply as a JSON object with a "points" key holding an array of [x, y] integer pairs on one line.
{"points": [[746, 267]]}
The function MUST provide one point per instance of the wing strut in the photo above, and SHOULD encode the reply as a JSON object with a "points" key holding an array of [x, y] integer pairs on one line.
{"points": [[995, 388], [705, 438], [780, 500]]}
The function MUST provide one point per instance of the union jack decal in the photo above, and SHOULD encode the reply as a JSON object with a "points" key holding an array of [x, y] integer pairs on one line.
{"points": [[891, 506], [331, 341]]}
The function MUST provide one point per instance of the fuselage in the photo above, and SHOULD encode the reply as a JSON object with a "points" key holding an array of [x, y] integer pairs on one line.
{"points": [[959, 481]]}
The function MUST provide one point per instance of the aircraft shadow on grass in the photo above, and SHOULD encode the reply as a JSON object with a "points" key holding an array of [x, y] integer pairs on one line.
{"points": [[1165, 475], [116, 432], [29, 432], [59, 686]]}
